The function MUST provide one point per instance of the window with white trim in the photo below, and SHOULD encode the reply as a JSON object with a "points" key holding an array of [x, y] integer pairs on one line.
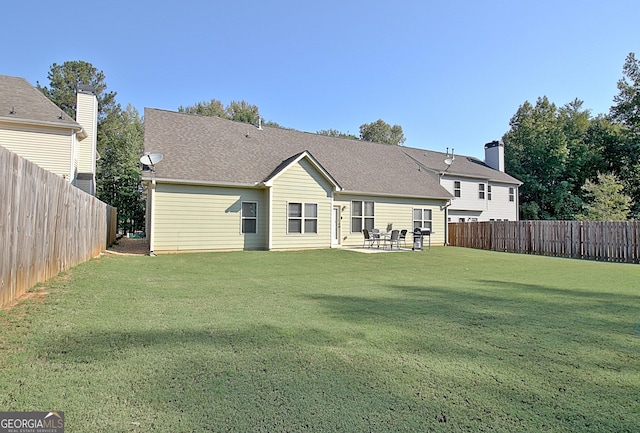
{"points": [[456, 188], [488, 192], [362, 215], [512, 194], [249, 217], [422, 218], [302, 218], [481, 191]]}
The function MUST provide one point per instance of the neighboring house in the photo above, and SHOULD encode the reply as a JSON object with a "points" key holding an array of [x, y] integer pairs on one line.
{"points": [[225, 185], [38, 130], [481, 190]]}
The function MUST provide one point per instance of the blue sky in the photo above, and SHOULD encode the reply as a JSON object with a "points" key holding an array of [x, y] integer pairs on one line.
{"points": [[451, 73]]}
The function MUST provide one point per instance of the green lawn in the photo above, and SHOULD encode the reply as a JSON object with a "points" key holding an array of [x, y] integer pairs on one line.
{"points": [[446, 340]]}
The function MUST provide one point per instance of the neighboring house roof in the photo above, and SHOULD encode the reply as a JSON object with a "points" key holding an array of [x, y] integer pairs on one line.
{"points": [[462, 166], [21, 102], [211, 150]]}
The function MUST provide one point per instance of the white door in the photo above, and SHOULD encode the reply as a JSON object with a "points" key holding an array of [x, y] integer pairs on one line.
{"points": [[335, 226]]}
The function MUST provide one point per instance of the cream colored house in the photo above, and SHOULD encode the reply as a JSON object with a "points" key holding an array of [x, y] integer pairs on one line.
{"points": [[225, 185], [35, 128]]}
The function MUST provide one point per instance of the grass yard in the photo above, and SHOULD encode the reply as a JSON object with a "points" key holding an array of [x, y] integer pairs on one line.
{"points": [[447, 340]]}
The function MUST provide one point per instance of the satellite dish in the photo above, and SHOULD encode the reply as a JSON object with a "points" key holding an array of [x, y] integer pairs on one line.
{"points": [[151, 158], [448, 161]]}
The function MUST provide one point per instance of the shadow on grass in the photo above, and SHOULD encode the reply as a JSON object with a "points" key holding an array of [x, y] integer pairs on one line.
{"points": [[415, 358]]}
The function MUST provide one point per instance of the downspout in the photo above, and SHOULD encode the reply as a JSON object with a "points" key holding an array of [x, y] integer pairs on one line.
{"points": [[269, 219], [446, 223], [152, 199], [74, 140]]}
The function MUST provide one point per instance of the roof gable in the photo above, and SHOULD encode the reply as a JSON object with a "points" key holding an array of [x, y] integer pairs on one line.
{"points": [[295, 159]]}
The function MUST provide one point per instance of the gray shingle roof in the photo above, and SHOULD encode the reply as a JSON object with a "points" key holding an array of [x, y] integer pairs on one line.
{"points": [[21, 102], [218, 151], [463, 166]]}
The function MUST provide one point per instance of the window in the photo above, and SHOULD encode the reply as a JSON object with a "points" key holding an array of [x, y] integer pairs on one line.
{"points": [[302, 218], [456, 188], [512, 194], [422, 218], [362, 215], [481, 191], [488, 192], [310, 218], [249, 217]]}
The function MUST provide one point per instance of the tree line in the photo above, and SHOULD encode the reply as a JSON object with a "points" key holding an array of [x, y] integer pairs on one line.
{"points": [[572, 165]]}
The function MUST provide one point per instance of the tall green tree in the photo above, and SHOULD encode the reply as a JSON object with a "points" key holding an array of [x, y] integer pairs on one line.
{"points": [[64, 80], [627, 102], [536, 152], [119, 137], [119, 169], [606, 200], [382, 132], [626, 113]]}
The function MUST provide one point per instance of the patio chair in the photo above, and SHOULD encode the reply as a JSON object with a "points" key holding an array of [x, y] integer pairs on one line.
{"points": [[375, 234], [367, 238], [395, 237], [403, 238]]}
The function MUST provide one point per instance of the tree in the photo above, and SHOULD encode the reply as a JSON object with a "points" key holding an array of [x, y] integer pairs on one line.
{"points": [[119, 138], [336, 133], [381, 132], [536, 152], [212, 108], [119, 169], [606, 201], [64, 80], [242, 111], [627, 103], [626, 113]]}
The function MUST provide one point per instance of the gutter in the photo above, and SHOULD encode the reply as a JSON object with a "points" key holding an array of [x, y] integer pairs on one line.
{"points": [[75, 126]]}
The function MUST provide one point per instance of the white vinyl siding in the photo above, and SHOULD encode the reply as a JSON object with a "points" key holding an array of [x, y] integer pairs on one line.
{"points": [[500, 207], [50, 148], [301, 183], [87, 117], [204, 218], [480, 199]]}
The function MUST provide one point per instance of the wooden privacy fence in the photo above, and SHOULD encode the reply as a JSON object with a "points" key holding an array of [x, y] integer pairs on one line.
{"points": [[595, 240], [46, 225]]}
